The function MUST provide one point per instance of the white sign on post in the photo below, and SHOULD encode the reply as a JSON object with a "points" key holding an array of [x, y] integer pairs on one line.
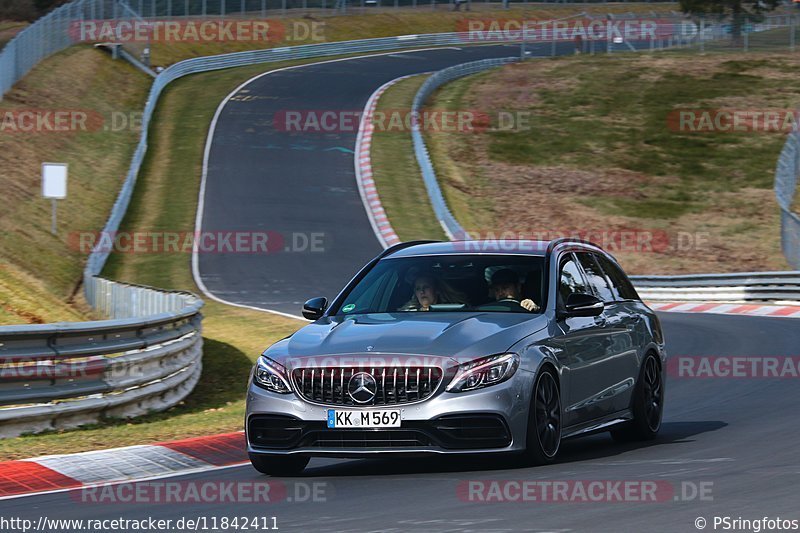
{"points": [[54, 185], [54, 180]]}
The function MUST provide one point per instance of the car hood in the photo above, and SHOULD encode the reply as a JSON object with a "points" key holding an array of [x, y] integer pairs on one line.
{"points": [[458, 336]]}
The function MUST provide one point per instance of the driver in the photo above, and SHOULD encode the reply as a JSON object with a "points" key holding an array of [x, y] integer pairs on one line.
{"points": [[505, 286], [430, 290]]}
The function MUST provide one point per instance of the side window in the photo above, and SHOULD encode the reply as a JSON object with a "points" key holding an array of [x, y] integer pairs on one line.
{"points": [[622, 285], [595, 277], [570, 279]]}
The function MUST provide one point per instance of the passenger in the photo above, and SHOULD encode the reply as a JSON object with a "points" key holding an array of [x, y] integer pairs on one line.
{"points": [[506, 287], [430, 290]]}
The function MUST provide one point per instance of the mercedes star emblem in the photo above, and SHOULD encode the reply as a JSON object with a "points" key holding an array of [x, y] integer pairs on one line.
{"points": [[362, 387]]}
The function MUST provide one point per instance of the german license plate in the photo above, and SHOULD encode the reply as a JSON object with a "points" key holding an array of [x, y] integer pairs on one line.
{"points": [[342, 418]]}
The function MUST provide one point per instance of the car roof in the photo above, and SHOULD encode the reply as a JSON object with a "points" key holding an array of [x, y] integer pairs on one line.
{"points": [[473, 247]]}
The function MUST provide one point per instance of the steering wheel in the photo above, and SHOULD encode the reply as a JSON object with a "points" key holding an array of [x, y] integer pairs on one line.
{"points": [[506, 304]]}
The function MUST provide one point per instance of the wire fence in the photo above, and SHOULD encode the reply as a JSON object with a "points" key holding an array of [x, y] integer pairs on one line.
{"points": [[60, 28]]}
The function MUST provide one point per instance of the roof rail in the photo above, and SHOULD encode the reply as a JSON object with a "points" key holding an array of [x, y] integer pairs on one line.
{"points": [[403, 245], [563, 240]]}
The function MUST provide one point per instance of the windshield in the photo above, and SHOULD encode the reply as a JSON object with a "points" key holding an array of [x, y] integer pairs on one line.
{"points": [[491, 283]]}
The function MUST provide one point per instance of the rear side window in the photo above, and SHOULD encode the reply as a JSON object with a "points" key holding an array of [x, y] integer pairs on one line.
{"points": [[622, 285], [570, 279], [596, 277]]}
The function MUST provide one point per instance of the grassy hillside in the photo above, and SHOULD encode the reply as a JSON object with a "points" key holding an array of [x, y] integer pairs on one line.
{"points": [[40, 272], [603, 154]]}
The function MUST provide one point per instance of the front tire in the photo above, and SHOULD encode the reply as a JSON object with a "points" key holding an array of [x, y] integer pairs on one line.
{"points": [[278, 465], [648, 405], [544, 420]]}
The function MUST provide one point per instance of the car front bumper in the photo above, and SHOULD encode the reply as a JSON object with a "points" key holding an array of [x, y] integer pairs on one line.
{"points": [[489, 420]]}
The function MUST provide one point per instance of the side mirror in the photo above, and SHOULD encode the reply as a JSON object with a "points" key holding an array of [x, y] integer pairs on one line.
{"points": [[314, 308], [579, 304]]}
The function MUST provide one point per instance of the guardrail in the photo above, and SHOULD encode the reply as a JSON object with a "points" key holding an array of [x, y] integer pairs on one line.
{"points": [[55, 376], [61, 27], [786, 172], [100, 254], [132, 365], [446, 219], [739, 287], [56, 30]]}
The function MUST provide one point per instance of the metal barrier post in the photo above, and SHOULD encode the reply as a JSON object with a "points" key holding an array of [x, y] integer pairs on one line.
{"points": [[702, 35]]}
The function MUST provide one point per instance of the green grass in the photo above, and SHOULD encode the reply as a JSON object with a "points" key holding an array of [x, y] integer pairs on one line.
{"points": [[627, 120], [466, 198], [387, 23], [608, 116], [166, 198], [395, 170], [615, 116], [41, 272]]}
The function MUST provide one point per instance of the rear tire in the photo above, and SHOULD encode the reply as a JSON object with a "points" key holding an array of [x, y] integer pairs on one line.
{"points": [[278, 465], [647, 405], [544, 420]]}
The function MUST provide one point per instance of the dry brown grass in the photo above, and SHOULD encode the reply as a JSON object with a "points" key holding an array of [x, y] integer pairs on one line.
{"points": [[733, 226]]}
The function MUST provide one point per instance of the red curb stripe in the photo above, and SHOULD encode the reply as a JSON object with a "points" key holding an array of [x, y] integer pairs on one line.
{"points": [[218, 450], [785, 311], [667, 307], [742, 309], [21, 477], [703, 307]]}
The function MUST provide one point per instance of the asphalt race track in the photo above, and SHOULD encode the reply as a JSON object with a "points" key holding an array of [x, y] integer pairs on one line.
{"points": [[300, 186], [738, 434], [734, 438]]}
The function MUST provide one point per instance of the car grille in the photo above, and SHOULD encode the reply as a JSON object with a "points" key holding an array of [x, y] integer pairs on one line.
{"points": [[392, 385]]}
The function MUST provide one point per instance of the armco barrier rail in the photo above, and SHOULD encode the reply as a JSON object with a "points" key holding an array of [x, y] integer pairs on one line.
{"points": [[786, 173], [56, 31], [55, 376], [60, 28], [446, 219], [739, 287], [99, 256], [63, 375]]}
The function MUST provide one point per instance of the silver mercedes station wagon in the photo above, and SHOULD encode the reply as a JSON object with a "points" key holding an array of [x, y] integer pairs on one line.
{"points": [[462, 348]]}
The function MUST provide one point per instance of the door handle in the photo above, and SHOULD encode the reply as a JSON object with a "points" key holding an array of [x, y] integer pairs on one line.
{"points": [[631, 325]]}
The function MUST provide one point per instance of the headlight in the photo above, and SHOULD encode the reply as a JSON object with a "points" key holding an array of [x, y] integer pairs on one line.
{"points": [[271, 376], [484, 372]]}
